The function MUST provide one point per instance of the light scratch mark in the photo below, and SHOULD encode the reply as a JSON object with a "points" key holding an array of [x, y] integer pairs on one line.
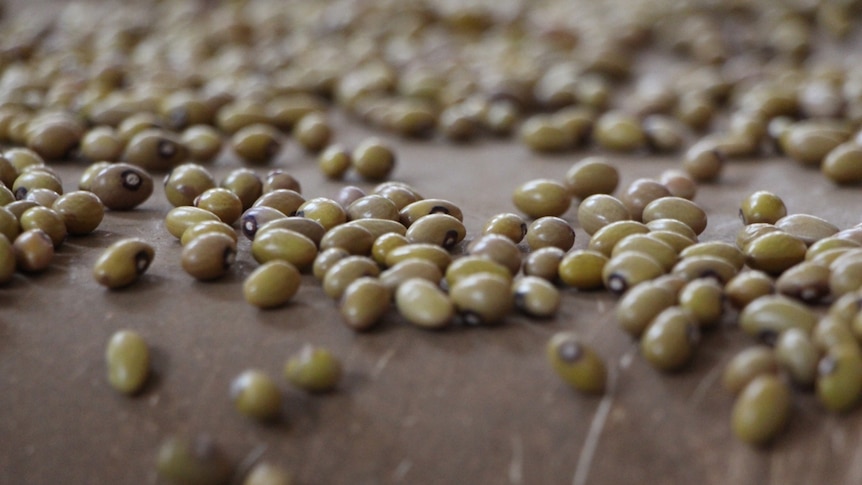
{"points": [[704, 385], [402, 469], [516, 466], [585, 460], [381, 363]]}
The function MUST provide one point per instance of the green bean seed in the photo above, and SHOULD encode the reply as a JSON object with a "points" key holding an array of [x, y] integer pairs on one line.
{"points": [[272, 284], [313, 369], [123, 262], [127, 357], [576, 363], [255, 394]]}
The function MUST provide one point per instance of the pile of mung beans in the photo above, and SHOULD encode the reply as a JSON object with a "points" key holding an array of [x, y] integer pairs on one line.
{"points": [[167, 89]]}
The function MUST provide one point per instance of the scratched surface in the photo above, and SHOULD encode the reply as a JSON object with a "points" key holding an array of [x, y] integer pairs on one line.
{"points": [[467, 405]]}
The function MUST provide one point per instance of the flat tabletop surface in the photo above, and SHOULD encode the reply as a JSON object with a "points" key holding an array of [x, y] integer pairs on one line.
{"points": [[464, 405]]}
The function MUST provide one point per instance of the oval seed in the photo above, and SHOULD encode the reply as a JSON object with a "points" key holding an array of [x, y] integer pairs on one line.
{"points": [[354, 239], [121, 186], [662, 252], [761, 410], [619, 132], [798, 356], [845, 276], [346, 271], [748, 286], [540, 134], [809, 142], [542, 197], [35, 179], [196, 460], [313, 131], [285, 245], [279, 179], [102, 143], [669, 342], [373, 160], [774, 252], [550, 232], [639, 307], [762, 207], [672, 225], [597, 211], [372, 207], [325, 211], [827, 244], [180, 219], [590, 176], [441, 229], [206, 227], [639, 194], [33, 250], [704, 299], [47, 220], [127, 357], [420, 208], [839, 378], [694, 267], [717, 249], [576, 363], [123, 262], [334, 162], [409, 269], [535, 297], [226, 205], [81, 211], [607, 237], [676, 208], [155, 149], [424, 304], [313, 369], [679, 184], [272, 284], [807, 228], [286, 201], [545, 263], [255, 394], [364, 302], [255, 218], [807, 281], [746, 366], [497, 248], [428, 252], [469, 265], [843, 164], [506, 224], [627, 270], [256, 143], [209, 256], [203, 142], [768, 316], [246, 184], [482, 299], [751, 232], [186, 182], [385, 243]]}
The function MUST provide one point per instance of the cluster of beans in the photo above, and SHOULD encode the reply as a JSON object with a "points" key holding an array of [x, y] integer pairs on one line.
{"points": [[141, 96]]}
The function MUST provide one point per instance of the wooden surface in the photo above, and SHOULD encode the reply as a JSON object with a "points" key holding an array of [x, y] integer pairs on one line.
{"points": [[466, 405]]}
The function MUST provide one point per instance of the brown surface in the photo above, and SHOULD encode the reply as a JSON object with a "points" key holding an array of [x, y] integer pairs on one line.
{"points": [[468, 405]]}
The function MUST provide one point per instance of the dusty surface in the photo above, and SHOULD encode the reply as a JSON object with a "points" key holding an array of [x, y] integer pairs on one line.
{"points": [[468, 405]]}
